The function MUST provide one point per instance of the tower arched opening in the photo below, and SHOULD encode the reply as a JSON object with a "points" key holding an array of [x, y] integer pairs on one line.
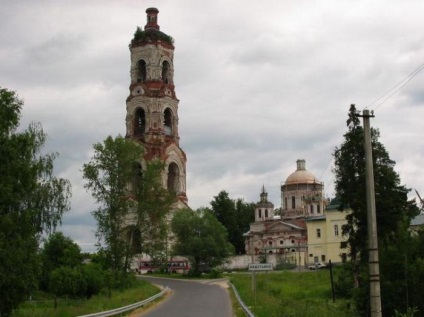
{"points": [[168, 118], [173, 177], [165, 72], [137, 176], [134, 239], [141, 71], [139, 121]]}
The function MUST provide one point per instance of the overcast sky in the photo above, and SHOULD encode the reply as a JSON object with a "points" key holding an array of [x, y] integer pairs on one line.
{"points": [[260, 84]]}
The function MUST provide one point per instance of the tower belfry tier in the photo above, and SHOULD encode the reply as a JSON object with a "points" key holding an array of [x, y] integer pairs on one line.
{"points": [[152, 105]]}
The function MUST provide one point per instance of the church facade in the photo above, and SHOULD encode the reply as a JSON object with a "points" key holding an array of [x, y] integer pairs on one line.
{"points": [[307, 228]]}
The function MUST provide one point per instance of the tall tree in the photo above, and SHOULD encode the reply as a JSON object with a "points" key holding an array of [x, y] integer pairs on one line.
{"points": [[108, 175], [58, 251], [132, 203], [394, 210], [32, 201], [201, 238], [235, 216], [154, 207], [245, 213]]}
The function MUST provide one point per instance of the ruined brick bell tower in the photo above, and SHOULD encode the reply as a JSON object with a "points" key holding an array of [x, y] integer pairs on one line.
{"points": [[152, 106]]}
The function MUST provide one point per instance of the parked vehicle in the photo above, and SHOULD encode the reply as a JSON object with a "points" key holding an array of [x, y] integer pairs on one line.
{"points": [[317, 265]]}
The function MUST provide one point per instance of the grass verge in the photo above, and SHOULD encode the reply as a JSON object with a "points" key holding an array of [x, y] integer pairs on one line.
{"points": [[77, 307], [291, 294]]}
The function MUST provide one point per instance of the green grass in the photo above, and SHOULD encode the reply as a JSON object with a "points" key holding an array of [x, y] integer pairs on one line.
{"points": [[291, 294], [77, 307]]}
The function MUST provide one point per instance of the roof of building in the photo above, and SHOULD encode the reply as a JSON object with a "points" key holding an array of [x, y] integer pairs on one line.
{"points": [[334, 204], [315, 218], [301, 175]]}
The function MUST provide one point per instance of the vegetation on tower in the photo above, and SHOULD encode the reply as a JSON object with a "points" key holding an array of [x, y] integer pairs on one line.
{"points": [[141, 36]]}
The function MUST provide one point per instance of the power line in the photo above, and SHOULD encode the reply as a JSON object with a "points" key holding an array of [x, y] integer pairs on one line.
{"points": [[387, 95]]}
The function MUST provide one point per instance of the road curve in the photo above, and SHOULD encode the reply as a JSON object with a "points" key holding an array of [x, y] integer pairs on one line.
{"points": [[205, 298]]}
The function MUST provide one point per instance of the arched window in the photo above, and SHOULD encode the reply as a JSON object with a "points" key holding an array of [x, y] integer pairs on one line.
{"points": [[173, 175], [319, 208], [165, 72], [260, 213], [266, 213], [168, 121], [139, 121], [336, 230], [293, 202], [137, 176], [312, 208], [141, 71], [134, 239]]}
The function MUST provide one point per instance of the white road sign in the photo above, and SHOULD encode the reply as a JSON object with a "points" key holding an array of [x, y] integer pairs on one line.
{"points": [[260, 266]]}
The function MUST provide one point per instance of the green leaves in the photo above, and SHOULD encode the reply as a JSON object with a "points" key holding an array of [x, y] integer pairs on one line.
{"points": [[32, 201], [236, 216], [394, 210], [200, 237], [133, 203]]}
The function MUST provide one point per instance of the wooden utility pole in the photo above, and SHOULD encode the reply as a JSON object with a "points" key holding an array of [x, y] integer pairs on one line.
{"points": [[373, 263]]}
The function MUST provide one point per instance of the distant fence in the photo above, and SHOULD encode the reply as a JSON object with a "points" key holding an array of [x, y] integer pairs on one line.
{"points": [[245, 308], [126, 308]]}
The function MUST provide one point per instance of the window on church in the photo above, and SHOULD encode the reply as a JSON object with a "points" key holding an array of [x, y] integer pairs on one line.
{"points": [[137, 176], [270, 242], [141, 71], [266, 213], [312, 209], [293, 202], [281, 241], [168, 121], [260, 213], [139, 121], [318, 208], [173, 175], [285, 203], [336, 230], [318, 233], [134, 239], [165, 72]]}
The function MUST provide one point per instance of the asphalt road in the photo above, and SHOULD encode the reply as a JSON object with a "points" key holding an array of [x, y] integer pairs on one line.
{"points": [[202, 298]]}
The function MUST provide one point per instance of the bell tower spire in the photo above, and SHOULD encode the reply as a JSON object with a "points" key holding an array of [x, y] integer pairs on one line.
{"points": [[152, 105]]}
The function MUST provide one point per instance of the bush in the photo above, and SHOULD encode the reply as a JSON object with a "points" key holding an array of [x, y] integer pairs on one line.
{"points": [[215, 273], [94, 278], [66, 281]]}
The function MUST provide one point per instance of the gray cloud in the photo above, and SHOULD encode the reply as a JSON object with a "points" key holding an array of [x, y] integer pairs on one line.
{"points": [[260, 86]]}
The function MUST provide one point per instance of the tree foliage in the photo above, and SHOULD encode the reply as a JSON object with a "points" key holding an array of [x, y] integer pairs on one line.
{"points": [[32, 201], [108, 176], [133, 204], [201, 238], [154, 205], [58, 251], [394, 210], [235, 216]]}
